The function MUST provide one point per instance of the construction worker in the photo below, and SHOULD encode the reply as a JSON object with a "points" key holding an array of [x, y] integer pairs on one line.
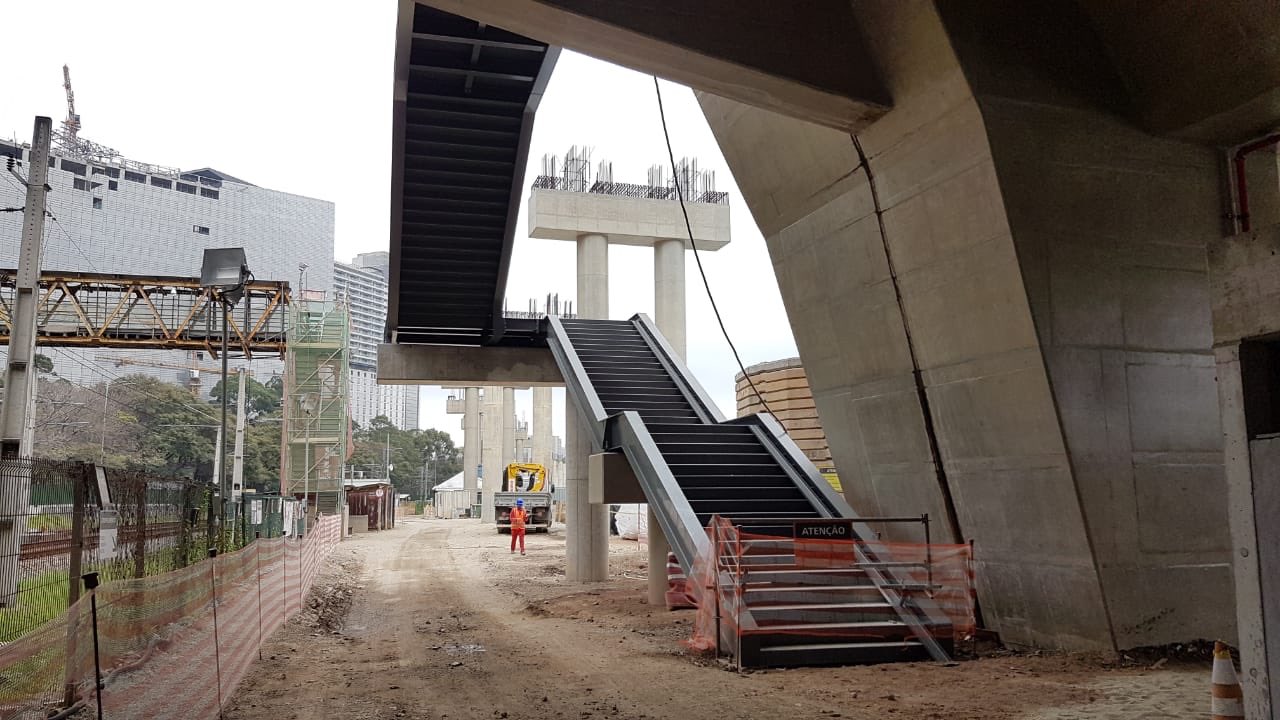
{"points": [[518, 518]]}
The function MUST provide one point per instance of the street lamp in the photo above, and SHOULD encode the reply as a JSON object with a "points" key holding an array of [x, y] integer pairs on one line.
{"points": [[224, 272]]}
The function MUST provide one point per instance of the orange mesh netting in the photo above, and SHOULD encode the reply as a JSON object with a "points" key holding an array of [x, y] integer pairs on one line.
{"points": [[170, 645], [855, 583]]}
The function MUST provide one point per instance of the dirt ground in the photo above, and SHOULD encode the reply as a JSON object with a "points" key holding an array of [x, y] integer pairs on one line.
{"points": [[444, 623]]}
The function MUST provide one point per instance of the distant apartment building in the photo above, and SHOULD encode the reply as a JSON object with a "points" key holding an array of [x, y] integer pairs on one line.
{"points": [[785, 388], [362, 285], [120, 216]]}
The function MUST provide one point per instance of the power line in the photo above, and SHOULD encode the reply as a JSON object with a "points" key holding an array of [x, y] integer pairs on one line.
{"points": [[73, 242], [103, 371], [696, 255]]}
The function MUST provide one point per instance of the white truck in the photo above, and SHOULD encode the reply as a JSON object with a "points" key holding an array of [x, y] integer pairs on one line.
{"points": [[528, 482]]}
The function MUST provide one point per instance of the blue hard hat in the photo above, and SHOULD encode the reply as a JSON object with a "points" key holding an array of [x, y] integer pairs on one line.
{"points": [[519, 502]]}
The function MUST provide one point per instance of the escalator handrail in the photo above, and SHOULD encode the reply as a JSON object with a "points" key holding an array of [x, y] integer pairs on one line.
{"points": [[577, 381], [698, 398], [686, 536], [793, 461]]}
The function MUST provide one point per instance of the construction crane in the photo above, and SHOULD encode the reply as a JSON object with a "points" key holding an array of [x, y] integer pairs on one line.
{"points": [[193, 367], [72, 123]]}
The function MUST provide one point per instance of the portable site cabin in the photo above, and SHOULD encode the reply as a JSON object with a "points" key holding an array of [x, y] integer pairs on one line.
{"points": [[451, 499]]}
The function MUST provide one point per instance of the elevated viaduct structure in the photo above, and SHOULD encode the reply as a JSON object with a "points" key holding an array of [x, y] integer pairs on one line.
{"points": [[1028, 257]]}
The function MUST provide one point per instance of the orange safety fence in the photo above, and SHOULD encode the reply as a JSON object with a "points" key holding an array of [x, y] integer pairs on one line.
{"points": [[170, 645], [933, 584]]}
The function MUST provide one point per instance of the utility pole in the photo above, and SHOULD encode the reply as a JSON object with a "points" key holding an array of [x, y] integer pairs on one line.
{"points": [[16, 415], [237, 468]]}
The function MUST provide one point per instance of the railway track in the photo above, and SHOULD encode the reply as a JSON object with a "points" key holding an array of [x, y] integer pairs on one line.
{"points": [[48, 545]]}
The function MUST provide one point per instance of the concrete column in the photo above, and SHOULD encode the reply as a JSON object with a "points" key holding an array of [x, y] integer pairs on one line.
{"points": [[668, 292], [669, 314], [508, 427], [587, 536], [470, 441], [541, 431], [491, 455]]}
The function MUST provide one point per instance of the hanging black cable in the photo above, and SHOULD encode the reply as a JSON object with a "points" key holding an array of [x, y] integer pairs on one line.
{"points": [[696, 256]]}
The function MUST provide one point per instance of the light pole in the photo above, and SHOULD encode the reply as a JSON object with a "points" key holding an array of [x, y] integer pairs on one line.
{"points": [[224, 272]]}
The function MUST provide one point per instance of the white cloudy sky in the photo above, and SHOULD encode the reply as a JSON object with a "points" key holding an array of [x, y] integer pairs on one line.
{"points": [[296, 96]]}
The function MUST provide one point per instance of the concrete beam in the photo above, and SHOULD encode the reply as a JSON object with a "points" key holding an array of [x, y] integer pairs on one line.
{"points": [[728, 47], [643, 222], [467, 366]]}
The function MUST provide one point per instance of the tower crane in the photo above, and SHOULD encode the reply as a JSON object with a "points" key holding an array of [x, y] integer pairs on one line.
{"points": [[72, 123], [193, 367]]}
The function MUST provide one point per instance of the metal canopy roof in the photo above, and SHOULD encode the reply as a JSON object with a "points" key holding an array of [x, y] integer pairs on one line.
{"points": [[465, 98]]}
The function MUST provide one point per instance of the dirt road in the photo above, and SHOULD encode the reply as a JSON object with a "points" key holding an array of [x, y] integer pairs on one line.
{"points": [[446, 623]]}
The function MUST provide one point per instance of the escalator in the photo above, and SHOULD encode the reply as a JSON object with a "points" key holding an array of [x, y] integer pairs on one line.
{"points": [[637, 397]]}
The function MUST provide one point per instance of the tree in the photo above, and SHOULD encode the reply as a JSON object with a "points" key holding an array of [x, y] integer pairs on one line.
{"points": [[415, 455], [262, 398], [44, 364]]}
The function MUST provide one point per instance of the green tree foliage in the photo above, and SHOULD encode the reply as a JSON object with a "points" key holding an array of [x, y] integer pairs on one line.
{"points": [[262, 398], [415, 455], [44, 364]]}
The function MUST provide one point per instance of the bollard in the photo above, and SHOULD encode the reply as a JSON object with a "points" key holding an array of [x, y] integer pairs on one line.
{"points": [[90, 584]]}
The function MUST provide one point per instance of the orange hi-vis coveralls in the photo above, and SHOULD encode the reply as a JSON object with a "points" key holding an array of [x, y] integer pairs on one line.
{"points": [[518, 518]]}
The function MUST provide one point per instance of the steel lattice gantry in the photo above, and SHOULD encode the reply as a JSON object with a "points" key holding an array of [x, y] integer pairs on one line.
{"points": [[465, 98], [148, 312]]}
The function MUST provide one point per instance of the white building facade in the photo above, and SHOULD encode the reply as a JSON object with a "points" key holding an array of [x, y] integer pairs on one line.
{"points": [[362, 285], [114, 219]]}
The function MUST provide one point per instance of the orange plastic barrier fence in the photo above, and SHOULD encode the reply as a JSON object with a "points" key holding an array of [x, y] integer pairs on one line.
{"points": [[170, 645], [935, 582]]}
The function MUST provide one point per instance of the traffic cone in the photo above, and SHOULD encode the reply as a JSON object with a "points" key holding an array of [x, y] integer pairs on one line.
{"points": [[1228, 697]]}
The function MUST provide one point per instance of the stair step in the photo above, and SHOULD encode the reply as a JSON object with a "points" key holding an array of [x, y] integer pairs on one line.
{"points": [[837, 653], [849, 606], [904, 644]]}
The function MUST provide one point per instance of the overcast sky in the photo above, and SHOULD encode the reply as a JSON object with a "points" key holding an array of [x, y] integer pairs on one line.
{"points": [[296, 97]]}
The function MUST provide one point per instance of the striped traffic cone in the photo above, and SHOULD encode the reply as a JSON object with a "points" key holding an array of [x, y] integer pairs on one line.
{"points": [[1228, 697]]}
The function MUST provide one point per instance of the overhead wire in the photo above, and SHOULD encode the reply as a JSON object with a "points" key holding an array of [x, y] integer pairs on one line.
{"points": [[103, 371], [696, 255]]}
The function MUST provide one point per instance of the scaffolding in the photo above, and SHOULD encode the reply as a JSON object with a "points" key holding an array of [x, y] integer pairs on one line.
{"points": [[316, 437]]}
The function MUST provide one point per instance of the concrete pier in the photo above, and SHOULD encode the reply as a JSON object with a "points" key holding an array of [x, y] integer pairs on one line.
{"points": [[508, 430], [471, 441], [491, 453], [587, 534], [541, 431]]}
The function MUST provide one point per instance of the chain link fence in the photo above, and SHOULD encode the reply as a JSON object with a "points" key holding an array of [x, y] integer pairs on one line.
{"points": [[176, 644], [59, 520], [167, 613]]}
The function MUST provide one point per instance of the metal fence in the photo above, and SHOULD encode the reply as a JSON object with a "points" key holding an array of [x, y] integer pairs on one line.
{"points": [[175, 644], [59, 520]]}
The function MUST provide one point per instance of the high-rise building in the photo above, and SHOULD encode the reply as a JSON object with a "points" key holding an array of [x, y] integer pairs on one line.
{"points": [[362, 285], [121, 216]]}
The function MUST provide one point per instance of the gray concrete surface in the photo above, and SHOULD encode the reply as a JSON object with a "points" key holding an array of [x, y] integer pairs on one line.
{"points": [[587, 523], [460, 366]]}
